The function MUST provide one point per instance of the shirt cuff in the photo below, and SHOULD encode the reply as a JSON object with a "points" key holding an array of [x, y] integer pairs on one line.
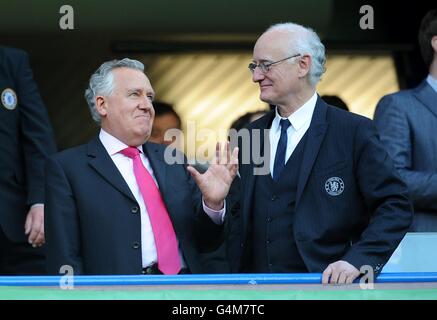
{"points": [[37, 205], [216, 216]]}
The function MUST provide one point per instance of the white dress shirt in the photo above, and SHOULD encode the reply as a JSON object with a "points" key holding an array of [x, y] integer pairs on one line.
{"points": [[432, 82], [300, 122], [125, 165]]}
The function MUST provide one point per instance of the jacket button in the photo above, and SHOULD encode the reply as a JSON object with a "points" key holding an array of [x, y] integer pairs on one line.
{"points": [[268, 241], [273, 198], [241, 244], [136, 245], [134, 210], [269, 219]]}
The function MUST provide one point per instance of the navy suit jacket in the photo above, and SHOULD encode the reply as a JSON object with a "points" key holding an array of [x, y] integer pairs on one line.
{"points": [[407, 124], [362, 225], [93, 221], [26, 140]]}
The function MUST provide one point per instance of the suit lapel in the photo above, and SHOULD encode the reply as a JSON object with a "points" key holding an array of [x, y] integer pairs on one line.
{"points": [[160, 170], [100, 161], [316, 133], [426, 94], [158, 165], [248, 178]]}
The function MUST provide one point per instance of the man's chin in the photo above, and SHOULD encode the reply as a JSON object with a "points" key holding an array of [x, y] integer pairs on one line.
{"points": [[143, 134], [140, 140], [265, 98]]}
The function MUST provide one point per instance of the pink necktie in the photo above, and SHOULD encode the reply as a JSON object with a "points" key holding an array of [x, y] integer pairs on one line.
{"points": [[163, 232]]}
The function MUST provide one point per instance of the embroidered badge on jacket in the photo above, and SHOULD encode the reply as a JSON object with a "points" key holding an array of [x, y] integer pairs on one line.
{"points": [[334, 186], [9, 99]]}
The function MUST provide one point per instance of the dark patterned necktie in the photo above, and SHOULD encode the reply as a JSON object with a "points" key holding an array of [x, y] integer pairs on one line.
{"points": [[281, 150]]}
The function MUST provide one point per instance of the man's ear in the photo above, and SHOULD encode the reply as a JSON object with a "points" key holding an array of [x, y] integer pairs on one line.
{"points": [[434, 44], [101, 105], [304, 65]]}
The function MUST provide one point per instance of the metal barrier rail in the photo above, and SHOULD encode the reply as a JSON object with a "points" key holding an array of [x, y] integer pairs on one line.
{"points": [[210, 279]]}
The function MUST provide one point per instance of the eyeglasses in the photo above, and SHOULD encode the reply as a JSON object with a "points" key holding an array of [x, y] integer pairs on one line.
{"points": [[264, 67]]}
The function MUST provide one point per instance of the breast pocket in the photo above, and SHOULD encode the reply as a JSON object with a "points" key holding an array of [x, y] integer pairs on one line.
{"points": [[333, 167], [333, 178], [6, 114]]}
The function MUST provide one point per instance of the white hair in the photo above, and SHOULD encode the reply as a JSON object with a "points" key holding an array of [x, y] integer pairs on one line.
{"points": [[304, 40], [102, 82]]}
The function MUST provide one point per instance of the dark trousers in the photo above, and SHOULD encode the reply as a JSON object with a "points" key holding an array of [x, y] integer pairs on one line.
{"points": [[20, 258], [215, 261]]}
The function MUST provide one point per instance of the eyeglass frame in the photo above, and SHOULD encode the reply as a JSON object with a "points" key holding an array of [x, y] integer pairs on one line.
{"points": [[263, 65]]}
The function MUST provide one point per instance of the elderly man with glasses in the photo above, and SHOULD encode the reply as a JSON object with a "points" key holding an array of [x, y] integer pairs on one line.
{"points": [[332, 202]]}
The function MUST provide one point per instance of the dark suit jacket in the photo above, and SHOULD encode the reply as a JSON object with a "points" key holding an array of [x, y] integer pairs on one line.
{"points": [[93, 221], [407, 124], [26, 140], [363, 225]]}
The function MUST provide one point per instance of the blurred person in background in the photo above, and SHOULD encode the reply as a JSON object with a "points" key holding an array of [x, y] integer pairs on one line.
{"points": [[27, 140], [407, 125], [166, 118], [335, 101]]}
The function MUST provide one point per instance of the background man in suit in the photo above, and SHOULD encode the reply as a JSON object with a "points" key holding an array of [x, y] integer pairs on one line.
{"points": [[166, 118], [332, 201], [26, 141], [407, 122], [335, 101], [114, 205]]}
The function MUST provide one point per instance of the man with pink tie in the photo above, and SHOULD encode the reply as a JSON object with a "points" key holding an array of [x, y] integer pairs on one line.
{"points": [[114, 206]]}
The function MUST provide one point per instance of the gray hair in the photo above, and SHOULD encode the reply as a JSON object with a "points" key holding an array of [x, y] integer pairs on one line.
{"points": [[305, 41], [102, 82]]}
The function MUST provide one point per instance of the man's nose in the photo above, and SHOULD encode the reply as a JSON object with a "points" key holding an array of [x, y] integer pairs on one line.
{"points": [[146, 104], [257, 75]]}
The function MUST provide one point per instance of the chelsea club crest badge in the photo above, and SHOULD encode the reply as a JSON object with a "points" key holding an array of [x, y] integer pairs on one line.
{"points": [[334, 186], [9, 99]]}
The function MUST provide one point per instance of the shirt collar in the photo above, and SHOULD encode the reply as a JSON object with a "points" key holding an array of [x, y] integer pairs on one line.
{"points": [[432, 82], [112, 144], [300, 116]]}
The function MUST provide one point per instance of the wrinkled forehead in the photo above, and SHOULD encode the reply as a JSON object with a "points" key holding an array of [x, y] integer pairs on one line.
{"points": [[272, 45], [131, 78]]}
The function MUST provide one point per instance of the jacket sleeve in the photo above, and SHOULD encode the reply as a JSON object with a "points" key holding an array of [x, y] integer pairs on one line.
{"points": [[386, 196], [209, 235], [395, 132], [37, 135], [61, 222]]}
